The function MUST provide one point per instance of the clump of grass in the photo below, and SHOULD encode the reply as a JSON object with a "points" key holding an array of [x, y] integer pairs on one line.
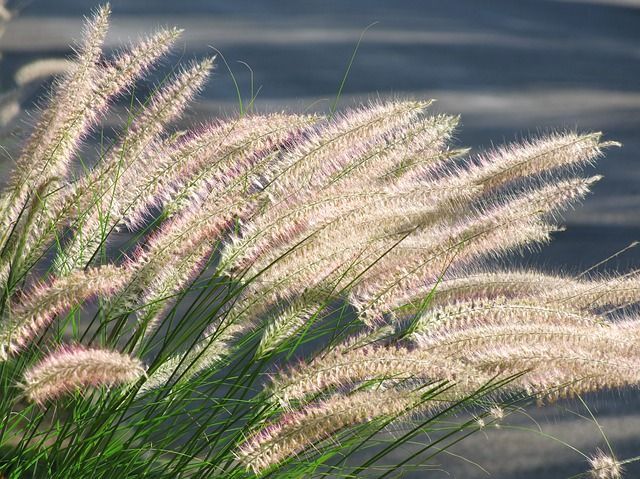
{"points": [[363, 242]]}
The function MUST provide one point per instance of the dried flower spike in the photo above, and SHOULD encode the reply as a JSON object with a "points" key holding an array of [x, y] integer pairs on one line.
{"points": [[604, 466], [74, 367], [32, 314]]}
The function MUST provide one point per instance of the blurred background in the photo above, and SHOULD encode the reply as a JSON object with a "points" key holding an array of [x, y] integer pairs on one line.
{"points": [[510, 68]]}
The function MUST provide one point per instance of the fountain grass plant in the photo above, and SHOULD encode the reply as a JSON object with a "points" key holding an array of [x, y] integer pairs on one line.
{"points": [[264, 295]]}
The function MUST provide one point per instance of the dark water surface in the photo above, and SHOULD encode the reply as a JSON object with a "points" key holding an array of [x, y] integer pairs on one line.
{"points": [[509, 67]]}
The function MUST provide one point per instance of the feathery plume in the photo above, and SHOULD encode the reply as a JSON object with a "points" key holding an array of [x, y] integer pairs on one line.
{"points": [[286, 324], [515, 161], [466, 286], [75, 368], [462, 286], [345, 365], [171, 257], [460, 343], [242, 150], [594, 356], [357, 217], [423, 253], [138, 60], [460, 316], [604, 466], [555, 374], [483, 234], [347, 190], [70, 124], [33, 314], [115, 182], [299, 430], [306, 168], [418, 153]]}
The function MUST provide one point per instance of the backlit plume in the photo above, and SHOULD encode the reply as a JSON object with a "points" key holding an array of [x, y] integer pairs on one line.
{"points": [[604, 466], [73, 368]]}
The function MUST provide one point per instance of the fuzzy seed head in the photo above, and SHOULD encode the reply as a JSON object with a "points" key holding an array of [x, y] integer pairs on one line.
{"points": [[604, 466], [72, 368]]}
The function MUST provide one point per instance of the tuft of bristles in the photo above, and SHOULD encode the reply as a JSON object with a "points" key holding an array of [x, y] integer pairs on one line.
{"points": [[73, 368], [297, 430], [604, 466], [33, 313]]}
